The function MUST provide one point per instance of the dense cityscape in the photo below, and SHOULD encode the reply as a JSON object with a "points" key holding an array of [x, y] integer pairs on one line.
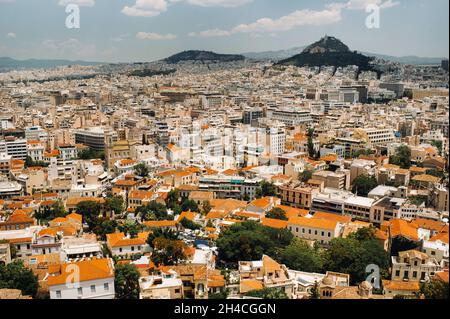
{"points": [[213, 176]]}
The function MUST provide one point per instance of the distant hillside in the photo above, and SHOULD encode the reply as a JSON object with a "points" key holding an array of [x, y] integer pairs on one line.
{"points": [[273, 55], [284, 54], [203, 56], [329, 51], [7, 63], [410, 59]]}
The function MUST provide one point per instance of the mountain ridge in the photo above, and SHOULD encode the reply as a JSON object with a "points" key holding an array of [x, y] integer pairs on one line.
{"points": [[199, 55], [329, 51], [11, 63]]}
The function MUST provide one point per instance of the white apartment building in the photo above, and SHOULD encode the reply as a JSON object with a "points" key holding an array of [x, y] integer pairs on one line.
{"points": [[17, 148], [290, 116], [87, 279], [378, 136], [36, 151]]}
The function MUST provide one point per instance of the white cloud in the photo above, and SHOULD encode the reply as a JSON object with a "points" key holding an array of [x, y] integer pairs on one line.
{"points": [[295, 19], [155, 36], [85, 3], [211, 33], [216, 3], [363, 4], [330, 15], [11, 35], [146, 8]]}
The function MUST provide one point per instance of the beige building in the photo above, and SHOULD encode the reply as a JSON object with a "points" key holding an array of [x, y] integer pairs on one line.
{"points": [[264, 273], [337, 180], [413, 265], [297, 195], [160, 287], [314, 229]]}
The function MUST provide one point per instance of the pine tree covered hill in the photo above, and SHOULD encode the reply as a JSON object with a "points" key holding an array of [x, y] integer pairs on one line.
{"points": [[194, 55], [329, 51]]}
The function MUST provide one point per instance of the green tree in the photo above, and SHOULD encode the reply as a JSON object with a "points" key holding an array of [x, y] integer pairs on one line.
{"points": [[268, 293], [365, 233], [158, 233], [351, 256], [115, 204], [311, 149], [402, 157], [141, 170], [89, 153], [314, 293], [250, 240], [131, 228], [16, 276], [277, 213], [104, 226], [363, 184], [435, 289], [302, 257], [189, 224], [305, 176], [90, 211], [153, 211], [167, 252], [189, 205], [126, 282], [266, 189], [401, 243], [46, 214]]}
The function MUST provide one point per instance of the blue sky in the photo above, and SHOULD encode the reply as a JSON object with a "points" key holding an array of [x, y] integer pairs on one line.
{"points": [[145, 30]]}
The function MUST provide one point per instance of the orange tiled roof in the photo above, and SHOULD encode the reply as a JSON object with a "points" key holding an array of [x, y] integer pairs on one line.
{"points": [[160, 223], [400, 227], [401, 285], [88, 270], [313, 222], [334, 217], [249, 285], [274, 223], [426, 178]]}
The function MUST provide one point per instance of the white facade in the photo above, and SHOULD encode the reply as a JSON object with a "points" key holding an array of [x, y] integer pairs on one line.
{"points": [[92, 289]]}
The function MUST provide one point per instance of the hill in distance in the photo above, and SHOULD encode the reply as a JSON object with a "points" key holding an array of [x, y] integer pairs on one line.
{"points": [[329, 51], [11, 64], [202, 56]]}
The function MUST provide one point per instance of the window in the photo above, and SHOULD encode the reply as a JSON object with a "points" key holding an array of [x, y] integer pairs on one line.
{"points": [[58, 294], [106, 286], [414, 274], [132, 248], [397, 273], [93, 288], [80, 291], [177, 291]]}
